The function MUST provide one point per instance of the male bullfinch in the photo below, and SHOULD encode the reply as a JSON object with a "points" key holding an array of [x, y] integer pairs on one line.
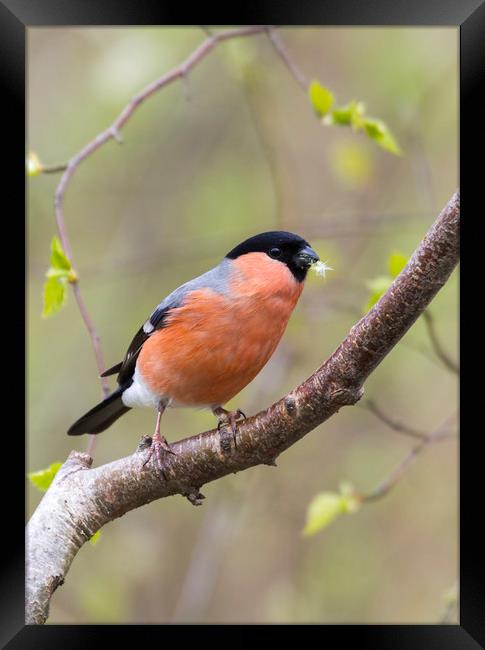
{"points": [[210, 337]]}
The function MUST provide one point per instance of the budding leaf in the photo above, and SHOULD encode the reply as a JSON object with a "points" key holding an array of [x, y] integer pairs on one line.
{"points": [[349, 115], [321, 98], [353, 115], [59, 259], [323, 509], [396, 262], [54, 295], [59, 273], [44, 477], [378, 131]]}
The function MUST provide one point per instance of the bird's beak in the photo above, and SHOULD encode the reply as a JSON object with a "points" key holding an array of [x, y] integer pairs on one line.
{"points": [[306, 257]]}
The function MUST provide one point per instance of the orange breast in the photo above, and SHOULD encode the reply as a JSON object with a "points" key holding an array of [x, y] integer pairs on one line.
{"points": [[214, 344]]}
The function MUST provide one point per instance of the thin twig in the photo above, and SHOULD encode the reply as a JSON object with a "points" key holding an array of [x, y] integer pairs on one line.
{"points": [[436, 343], [396, 425], [283, 53], [98, 353], [385, 486], [113, 132], [206, 30], [53, 169]]}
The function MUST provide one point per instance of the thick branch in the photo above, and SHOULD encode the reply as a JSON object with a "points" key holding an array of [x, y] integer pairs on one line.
{"points": [[82, 500]]}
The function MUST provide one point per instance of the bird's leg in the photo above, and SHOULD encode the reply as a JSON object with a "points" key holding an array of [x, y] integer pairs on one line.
{"points": [[226, 418], [159, 444]]}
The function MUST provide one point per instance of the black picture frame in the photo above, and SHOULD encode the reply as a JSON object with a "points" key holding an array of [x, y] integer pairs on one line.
{"points": [[18, 15]]}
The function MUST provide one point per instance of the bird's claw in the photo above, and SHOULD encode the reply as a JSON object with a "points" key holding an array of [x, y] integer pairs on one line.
{"points": [[159, 447], [228, 418]]}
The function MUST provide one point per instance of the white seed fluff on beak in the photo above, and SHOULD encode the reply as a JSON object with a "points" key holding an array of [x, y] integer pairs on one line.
{"points": [[321, 268]]}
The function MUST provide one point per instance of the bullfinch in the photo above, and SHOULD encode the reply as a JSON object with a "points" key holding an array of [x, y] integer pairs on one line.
{"points": [[210, 337]]}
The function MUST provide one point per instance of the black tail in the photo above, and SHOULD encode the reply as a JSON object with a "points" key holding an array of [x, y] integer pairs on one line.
{"points": [[101, 416], [112, 371]]}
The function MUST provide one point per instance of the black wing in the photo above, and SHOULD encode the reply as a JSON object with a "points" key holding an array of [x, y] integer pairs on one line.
{"points": [[126, 368], [114, 370]]}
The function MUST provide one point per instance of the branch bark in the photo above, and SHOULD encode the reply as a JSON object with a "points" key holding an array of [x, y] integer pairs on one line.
{"points": [[81, 500]]}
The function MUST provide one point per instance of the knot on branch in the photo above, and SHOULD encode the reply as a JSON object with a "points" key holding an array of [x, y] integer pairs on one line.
{"points": [[347, 395], [194, 495], [290, 405], [76, 461], [79, 458], [271, 462]]}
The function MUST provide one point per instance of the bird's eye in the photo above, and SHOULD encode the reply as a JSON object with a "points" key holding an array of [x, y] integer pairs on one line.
{"points": [[275, 252]]}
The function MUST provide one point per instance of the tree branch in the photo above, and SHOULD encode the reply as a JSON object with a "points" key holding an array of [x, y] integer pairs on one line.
{"points": [[81, 500], [388, 483], [400, 427], [436, 343], [280, 48], [53, 169]]}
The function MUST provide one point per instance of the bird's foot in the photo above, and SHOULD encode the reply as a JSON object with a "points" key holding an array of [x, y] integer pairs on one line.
{"points": [[228, 419], [159, 449]]}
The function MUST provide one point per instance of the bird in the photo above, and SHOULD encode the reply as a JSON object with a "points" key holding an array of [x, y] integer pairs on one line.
{"points": [[210, 337]]}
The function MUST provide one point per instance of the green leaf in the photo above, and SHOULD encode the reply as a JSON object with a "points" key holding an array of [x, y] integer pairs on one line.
{"points": [[327, 506], [341, 116], [378, 287], [323, 509], [59, 259], [378, 131], [396, 262], [54, 296], [59, 273], [95, 538], [357, 115], [349, 115], [321, 98], [353, 114], [44, 477]]}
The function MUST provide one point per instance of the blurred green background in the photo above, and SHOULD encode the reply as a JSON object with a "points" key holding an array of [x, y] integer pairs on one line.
{"points": [[233, 151]]}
